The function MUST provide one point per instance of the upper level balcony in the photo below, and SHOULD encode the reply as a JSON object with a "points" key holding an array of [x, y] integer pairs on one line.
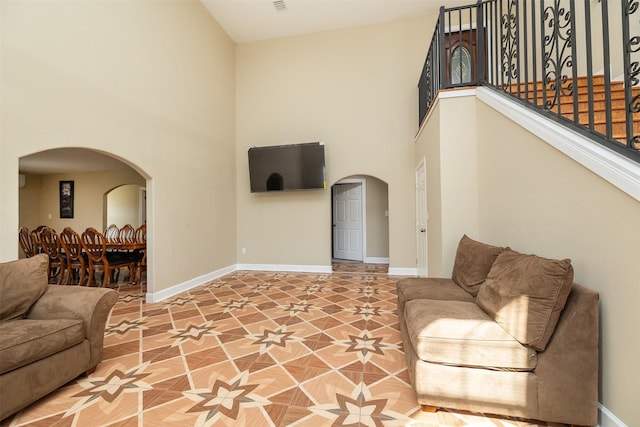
{"points": [[575, 62]]}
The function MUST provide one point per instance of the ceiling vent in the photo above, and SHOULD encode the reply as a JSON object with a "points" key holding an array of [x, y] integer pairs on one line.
{"points": [[280, 5]]}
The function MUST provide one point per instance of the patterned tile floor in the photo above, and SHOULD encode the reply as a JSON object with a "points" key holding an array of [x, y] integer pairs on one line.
{"points": [[252, 348], [342, 266]]}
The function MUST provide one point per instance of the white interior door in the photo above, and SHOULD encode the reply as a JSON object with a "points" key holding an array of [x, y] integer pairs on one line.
{"points": [[347, 221], [421, 219]]}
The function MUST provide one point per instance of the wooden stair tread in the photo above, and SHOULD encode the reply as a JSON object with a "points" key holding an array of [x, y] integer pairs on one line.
{"points": [[534, 93]]}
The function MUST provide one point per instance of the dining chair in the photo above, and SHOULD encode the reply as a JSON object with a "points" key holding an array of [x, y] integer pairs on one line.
{"points": [[95, 245], [127, 234], [50, 242], [141, 254], [76, 259], [26, 242], [35, 236], [111, 233]]}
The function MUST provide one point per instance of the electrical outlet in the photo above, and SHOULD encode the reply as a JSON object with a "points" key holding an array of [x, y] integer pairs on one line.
{"points": [[244, 251]]}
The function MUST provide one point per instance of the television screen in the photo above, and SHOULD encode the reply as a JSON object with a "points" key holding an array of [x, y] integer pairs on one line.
{"points": [[287, 167]]}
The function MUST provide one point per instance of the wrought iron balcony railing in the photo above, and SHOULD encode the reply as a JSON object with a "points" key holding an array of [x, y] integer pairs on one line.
{"points": [[577, 62]]}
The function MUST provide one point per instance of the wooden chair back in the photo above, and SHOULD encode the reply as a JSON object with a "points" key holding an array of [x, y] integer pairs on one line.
{"points": [[141, 258], [26, 242], [127, 234], [141, 234], [72, 246], [111, 233], [50, 242], [94, 244], [35, 236]]}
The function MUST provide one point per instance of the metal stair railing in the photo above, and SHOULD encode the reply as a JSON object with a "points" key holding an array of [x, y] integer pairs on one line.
{"points": [[543, 54]]}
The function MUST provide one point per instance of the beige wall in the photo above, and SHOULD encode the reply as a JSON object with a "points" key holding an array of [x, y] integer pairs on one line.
{"points": [[377, 222], [537, 200], [152, 83], [355, 90], [123, 206], [29, 206], [427, 148], [448, 144], [39, 199]]}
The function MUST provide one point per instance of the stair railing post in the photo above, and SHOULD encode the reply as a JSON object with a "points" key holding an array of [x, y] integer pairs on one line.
{"points": [[443, 54], [631, 72], [480, 53], [607, 68]]}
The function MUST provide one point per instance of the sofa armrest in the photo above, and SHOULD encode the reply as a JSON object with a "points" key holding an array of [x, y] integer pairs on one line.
{"points": [[91, 305], [567, 370]]}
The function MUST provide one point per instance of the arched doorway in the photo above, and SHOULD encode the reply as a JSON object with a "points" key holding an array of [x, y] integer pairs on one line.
{"points": [[125, 204], [93, 174], [360, 224]]}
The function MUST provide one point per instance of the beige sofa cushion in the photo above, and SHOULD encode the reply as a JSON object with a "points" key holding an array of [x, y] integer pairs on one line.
{"points": [[24, 341], [411, 288], [525, 294], [472, 263], [22, 282], [460, 333]]}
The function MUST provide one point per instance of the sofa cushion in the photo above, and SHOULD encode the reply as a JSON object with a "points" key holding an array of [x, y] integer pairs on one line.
{"points": [[429, 288], [525, 294], [472, 263], [24, 341], [22, 282], [462, 334]]}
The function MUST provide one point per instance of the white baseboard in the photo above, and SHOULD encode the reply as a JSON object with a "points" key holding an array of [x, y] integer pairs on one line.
{"points": [[607, 419], [281, 267], [395, 271], [376, 260], [189, 284], [154, 297]]}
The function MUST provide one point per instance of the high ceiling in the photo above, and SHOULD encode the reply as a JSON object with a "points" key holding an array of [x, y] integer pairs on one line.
{"points": [[253, 20]]}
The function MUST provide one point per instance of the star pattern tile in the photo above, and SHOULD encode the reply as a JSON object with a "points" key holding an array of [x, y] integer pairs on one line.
{"points": [[256, 349]]}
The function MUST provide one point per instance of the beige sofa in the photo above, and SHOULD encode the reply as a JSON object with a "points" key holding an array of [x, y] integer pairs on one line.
{"points": [[508, 334], [49, 334]]}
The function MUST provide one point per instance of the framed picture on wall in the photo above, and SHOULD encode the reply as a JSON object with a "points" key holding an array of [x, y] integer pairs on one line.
{"points": [[66, 199]]}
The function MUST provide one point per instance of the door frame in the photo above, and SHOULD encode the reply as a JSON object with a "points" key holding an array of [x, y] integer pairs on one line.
{"points": [[422, 165], [363, 205]]}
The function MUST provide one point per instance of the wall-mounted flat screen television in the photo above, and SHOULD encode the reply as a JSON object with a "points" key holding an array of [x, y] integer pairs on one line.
{"points": [[287, 167]]}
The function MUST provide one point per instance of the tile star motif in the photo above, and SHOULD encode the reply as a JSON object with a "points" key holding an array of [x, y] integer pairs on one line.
{"points": [[269, 338], [194, 332], [311, 289], [110, 387], [130, 298], [365, 345], [297, 307], [179, 301], [263, 287], [217, 285], [224, 399], [368, 291], [360, 409], [235, 304], [367, 311], [126, 326]]}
